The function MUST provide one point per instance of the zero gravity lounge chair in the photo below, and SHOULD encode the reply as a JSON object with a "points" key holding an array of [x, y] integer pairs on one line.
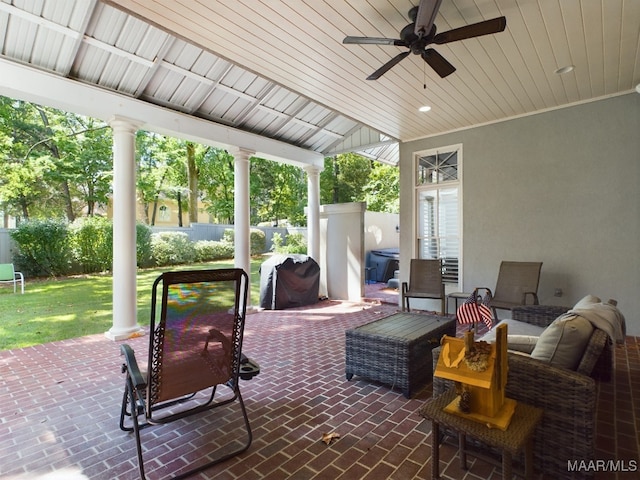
{"points": [[195, 343]]}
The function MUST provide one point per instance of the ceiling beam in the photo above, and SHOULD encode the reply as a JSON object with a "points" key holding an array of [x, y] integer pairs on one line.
{"points": [[29, 84]]}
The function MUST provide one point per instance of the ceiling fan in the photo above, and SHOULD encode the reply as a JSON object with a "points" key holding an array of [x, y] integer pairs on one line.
{"points": [[422, 32]]}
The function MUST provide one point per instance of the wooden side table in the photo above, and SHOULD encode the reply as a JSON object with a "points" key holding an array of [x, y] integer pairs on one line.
{"points": [[517, 437]]}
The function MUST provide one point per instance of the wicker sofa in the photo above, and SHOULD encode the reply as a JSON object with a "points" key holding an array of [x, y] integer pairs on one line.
{"points": [[567, 431]]}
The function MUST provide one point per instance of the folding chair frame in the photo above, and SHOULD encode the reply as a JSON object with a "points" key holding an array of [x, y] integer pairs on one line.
{"points": [[138, 386]]}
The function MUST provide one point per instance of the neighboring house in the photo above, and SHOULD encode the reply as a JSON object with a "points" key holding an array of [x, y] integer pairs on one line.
{"points": [[166, 214]]}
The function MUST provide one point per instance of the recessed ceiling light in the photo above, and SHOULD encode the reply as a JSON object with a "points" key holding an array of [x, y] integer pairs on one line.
{"points": [[565, 69], [425, 108]]}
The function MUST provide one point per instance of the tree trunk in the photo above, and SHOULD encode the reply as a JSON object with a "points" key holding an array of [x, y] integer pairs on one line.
{"points": [[192, 172], [90, 203], [154, 211], [71, 216], [66, 193], [179, 209], [336, 172]]}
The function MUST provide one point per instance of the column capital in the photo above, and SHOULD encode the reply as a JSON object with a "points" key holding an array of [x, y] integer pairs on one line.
{"points": [[312, 169], [240, 153], [124, 124]]}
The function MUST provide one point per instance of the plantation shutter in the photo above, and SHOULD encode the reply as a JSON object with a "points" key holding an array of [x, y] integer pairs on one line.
{"points": [[438, 210]]}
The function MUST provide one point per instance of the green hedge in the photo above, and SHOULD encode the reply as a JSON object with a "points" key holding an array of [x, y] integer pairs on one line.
{"points": [[43, 248], [209, 250], [92, 243], [172, 248], [55, 247], [258, 240]]}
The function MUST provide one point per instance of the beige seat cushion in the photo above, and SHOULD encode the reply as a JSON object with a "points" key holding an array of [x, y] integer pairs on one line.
{"points": [[521, 336], [522, 343], [563, 342]]}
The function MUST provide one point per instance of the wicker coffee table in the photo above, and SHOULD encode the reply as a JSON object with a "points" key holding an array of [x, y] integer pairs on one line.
{"points": [[516, 438], [396, 350]]}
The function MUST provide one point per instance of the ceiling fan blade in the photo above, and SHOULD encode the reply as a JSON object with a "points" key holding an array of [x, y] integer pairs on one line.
{"points": [[436, 61], [373, 41], [387, 66], [487, 27], [427, 11]]}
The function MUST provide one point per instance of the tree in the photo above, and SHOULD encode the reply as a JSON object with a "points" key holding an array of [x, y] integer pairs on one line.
{"points": [[216, 184], [156, 155], [55, 164], [382, 191], [192, 176], [84, 163], [278, 191], [354, 178], [26, 164], [344, 178]]}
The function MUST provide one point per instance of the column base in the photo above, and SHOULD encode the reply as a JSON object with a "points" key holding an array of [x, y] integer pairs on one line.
{"points": [[253, 309], [117, 334]]}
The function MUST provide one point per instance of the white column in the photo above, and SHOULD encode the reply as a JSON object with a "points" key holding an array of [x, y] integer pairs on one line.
{"points": [[313, 212], [125, 323], [241, 213]]}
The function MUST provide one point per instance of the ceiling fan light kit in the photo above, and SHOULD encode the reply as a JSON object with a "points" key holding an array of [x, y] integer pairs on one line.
{"points": [[422, 32]]}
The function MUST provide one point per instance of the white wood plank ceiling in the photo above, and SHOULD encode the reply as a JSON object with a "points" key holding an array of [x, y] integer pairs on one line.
{"points": [[279, 67]]}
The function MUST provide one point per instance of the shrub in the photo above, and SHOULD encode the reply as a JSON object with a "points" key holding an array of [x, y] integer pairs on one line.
{"points": [[43, 247], [228, 236], [296, 243], [92, 243], [144, 256], [172, 248], [277, 242], [208, 250], [257, 240]]}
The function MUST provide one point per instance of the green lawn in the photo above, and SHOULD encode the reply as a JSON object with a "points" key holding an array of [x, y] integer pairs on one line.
{"points": [[69, 307]]}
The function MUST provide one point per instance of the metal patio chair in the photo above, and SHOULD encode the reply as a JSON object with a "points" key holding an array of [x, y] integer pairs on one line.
{"points": [[195, 343], [425, 281], [517, 284], [8, 274]]}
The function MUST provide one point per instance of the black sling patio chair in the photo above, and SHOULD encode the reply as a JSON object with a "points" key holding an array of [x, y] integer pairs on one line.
{"points": [[195, 345]]}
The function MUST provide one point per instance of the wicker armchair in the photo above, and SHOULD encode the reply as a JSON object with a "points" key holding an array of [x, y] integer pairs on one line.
{"points": [[567, 431]]}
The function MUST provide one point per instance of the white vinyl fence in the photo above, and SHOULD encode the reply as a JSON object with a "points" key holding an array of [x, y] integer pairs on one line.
{"points": [[6, 245], [210, 231]]}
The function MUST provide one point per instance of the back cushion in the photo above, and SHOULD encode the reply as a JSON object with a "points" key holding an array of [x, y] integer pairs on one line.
{"points": [[587, 301], [563, 342]]}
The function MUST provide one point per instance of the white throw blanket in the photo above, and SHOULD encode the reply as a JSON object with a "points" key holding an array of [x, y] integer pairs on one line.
{"points": [[605, 317]]}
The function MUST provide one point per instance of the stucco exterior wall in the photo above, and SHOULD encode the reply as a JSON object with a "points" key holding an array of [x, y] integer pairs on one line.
{"points": [[561, 187]]}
